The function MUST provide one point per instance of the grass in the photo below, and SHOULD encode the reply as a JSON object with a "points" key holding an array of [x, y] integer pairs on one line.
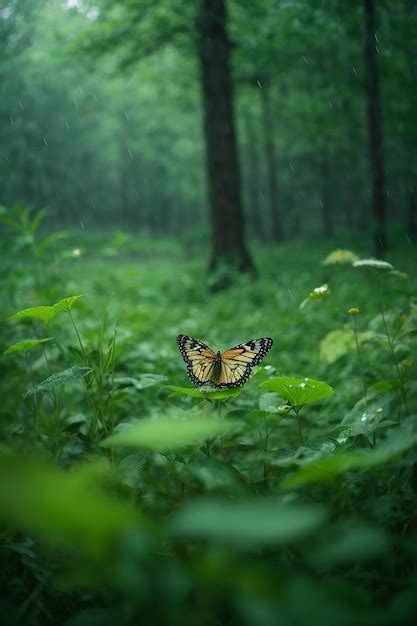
{"points": [[127, 494]]}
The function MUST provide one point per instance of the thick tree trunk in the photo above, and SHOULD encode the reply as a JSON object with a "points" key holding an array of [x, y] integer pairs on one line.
{"points": [[227, 222], [276, 233], [376, 153]]}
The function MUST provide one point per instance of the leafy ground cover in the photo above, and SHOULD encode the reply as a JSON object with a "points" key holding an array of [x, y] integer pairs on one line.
{"points": [[127, 495]]}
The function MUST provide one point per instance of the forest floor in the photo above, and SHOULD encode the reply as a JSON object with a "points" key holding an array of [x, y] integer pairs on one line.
{"points": [[288, 500]]}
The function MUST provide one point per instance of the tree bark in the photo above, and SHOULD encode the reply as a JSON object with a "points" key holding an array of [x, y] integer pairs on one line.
{"points": [[326, 208], [254, 212], [412, 213], [276, 233], [375, 132], [227, 221]]}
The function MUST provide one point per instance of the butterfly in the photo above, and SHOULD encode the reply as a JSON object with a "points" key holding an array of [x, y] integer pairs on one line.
{"points": [[228, 369]]}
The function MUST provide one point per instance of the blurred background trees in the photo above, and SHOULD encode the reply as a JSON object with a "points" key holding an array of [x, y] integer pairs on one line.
{"points": [[104, 117]]}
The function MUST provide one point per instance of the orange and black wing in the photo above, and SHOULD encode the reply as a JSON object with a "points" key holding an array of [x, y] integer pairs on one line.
{"points": [[237, 362], [199, 359]]}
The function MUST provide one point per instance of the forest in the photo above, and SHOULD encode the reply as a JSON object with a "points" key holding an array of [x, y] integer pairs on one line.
{"points": [[208, 231]]}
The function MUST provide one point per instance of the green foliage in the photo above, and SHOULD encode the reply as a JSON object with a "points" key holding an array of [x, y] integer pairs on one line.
{"points": [[341, 341], [205, 393], [298, 391], [340, 257], [171, 433], [69, 508], [46, 313], [118, 483], [67, 376], [27, 344], [247, 524]]}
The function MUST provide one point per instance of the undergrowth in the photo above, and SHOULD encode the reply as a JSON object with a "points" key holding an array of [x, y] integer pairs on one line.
{"points": [[127, 495]]}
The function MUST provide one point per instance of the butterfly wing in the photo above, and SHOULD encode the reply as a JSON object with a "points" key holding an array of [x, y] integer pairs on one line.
{"points": [[237, 362], [199, 359]]}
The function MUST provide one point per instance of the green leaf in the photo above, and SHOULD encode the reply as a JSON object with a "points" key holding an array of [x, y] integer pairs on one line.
{"points": [[332, 466], [350, 542], [69, 375], [43, 313], [67, 303], [383, 386], [27, 344], [373, 263], [205, 393], [340, 257], [341, 341], [46, 313], [298, 391], [141, 382], [51, 239], [249, 524], [63, 506], [164, 433]]}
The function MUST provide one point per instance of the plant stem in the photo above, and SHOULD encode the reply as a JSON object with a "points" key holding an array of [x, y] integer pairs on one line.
{"points": [[300, 430], [355, 331], [391, 345]]}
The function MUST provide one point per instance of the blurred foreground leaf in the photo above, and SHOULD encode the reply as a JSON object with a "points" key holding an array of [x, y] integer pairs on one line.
{"points": [[164, 433], [67, 507], [298, 391], [252, 523]]}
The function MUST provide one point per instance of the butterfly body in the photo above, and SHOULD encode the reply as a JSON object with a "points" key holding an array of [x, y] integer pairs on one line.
{"points": [[231, 368]]}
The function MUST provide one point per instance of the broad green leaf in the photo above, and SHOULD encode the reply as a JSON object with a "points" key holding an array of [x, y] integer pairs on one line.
{"points": [[69, 375], [340, 257], [251, 524], [298, 391], [46, 313], [63, 506], [67, 303], [27, 344], [164, 433], [341, 341], [43, 313], [204, 393], [332, 466], [373, 263]]}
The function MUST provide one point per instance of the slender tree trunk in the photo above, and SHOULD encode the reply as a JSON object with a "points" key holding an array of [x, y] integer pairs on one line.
{"points": [[227, 221], [376, 153], [412, 213], [276, 233], [254, 211], [326, 209]]}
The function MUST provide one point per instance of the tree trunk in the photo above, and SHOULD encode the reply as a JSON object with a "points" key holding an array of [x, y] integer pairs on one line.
{"points": [[276, 233], [326, 209], [376, 153], [412, 213], [227, 222], [254, 212]]}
